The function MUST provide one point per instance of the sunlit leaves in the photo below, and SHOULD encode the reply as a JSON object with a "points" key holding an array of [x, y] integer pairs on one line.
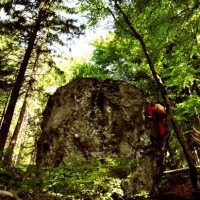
{"points": [[189, 109], [92, 178]]}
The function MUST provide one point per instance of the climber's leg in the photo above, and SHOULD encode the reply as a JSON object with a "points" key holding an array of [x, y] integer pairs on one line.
{"points": [[161, 127]]}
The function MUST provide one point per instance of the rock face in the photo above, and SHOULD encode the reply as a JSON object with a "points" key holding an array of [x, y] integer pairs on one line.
{"points": [[92, 118]]}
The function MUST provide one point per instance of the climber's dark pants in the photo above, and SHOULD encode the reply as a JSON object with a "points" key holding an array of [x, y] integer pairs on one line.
{"points": [[159, 115]]}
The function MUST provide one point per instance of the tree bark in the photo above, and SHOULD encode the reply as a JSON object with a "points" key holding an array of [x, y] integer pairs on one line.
{"points": [[20, 78], [187, 151], [20, 141], [8, 158]]}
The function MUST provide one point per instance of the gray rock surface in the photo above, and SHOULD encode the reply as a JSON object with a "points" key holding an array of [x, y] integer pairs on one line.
{"points": [[98, 119]]}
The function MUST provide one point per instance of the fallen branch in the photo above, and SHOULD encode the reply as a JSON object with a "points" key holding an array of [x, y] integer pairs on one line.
{"points": [[178, 170]]}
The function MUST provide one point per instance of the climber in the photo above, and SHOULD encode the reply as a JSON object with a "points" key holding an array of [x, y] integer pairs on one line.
{"points": [[157, 111]]}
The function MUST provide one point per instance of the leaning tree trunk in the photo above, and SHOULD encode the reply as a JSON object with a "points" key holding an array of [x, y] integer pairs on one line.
{"points": [[20, 78], [187, 151], [8, 158]]}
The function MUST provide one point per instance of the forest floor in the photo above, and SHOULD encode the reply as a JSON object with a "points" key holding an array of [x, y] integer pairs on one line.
{"points": [[172, 187], [178, 186]]}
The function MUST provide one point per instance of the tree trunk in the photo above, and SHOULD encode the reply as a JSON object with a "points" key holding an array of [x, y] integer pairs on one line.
{"points": [[20, 141], [19, 80], [8, 158], [187, 151]]}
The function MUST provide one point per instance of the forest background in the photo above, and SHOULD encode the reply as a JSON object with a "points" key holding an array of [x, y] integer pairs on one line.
{"points": [[144, 40]]}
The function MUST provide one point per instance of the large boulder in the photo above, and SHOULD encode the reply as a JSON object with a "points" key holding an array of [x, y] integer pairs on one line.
{"points": [[98, 119]]}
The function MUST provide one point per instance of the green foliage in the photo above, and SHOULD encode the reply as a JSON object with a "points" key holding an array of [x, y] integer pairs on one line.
{"points": [[175, 158], [189, 109], [96, 10], [170, 30], [88, 70], [95, 178], [18, 20], [8, 68], [116, 58]]}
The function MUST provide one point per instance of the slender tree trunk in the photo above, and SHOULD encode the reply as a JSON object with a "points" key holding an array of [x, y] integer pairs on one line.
{"points": [[19, 80], [34, 151], [11, 146], [187, 151], [20, 141], [8, 158]]}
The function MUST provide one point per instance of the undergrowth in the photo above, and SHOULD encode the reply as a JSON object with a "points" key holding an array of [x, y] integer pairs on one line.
{"points": [[98, 177]]}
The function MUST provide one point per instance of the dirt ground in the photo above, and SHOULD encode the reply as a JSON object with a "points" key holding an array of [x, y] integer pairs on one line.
{"points": [[177, 184], [173, 187]]}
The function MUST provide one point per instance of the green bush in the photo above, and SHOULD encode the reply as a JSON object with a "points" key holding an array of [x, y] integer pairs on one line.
{"points": [[95, 178]]}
